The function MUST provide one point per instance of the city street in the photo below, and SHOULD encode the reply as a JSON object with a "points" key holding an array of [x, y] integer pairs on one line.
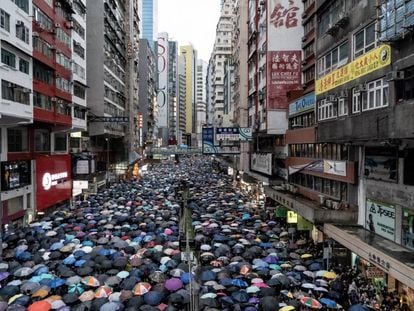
{"points": [[127, 249]]}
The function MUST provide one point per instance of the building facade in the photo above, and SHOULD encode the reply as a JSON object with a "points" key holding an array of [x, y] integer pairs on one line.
{"points": [[149, 20], [181, 101], [201, 99]]}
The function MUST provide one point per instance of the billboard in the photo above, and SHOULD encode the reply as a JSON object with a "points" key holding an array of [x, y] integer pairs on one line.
{"points": [[381, 164], [15, 174], [53, 180], [363, 65], [302, 104], [162, 96], [380, 219], [284, 51], [224, 140], [261, 162]]}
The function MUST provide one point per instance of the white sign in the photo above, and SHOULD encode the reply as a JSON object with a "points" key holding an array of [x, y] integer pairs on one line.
{"points": [[262, 162], [334, 167], [284, 25], [82, 167], [49, 180], [78, 186], [162, 96], [380, 219]]}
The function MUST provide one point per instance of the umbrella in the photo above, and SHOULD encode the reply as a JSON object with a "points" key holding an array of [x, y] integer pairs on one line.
{"points": [[328, 303], [23, 272], [310, 303], [40, 306], [287, 293], [308, 285], [240, 296], [359, 307], [320, 273], [141, 288], [91, 281], [103, 292], [320, 289], [329, 275], [76, 288], [300, 268], [87, 296], [252, 289], [208, 295], [153, 298], [287, 308], [239, 283], [173, 284]]}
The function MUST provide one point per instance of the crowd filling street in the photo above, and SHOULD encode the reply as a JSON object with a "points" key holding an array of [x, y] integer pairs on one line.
{"points": [[120, 250]]}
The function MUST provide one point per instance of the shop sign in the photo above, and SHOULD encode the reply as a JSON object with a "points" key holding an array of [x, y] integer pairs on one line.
{"points": [[380, 219], [302, 104], [292, 217], [375, 273], [281, 211], [380, 261], [261, 162], [381, 164], [334, 167], [15, 174], [363, 65], [78, 186], [303, 224], [224, 140], [49, 180], [82, 167]]}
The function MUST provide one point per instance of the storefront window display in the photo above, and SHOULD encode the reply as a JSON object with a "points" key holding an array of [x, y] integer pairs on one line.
{"points": [[408, 228]]}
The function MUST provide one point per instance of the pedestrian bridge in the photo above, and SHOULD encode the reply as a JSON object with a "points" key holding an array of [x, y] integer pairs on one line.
{"points": [[171, 151]]}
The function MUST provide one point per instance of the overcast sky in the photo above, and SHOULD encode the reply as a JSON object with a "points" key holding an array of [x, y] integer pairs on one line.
{"points": [[190, 21]]}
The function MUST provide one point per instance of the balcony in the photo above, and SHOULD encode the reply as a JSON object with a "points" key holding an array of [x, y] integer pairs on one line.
{"points": [[51, 117], [311, 210]]}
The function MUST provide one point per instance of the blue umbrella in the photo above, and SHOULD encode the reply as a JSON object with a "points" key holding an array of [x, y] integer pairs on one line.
{"points": [[271, 259], [187, 277], [24, 256], [358, 308], [316, 266], [104, 252], [207, 276], [266, 245], [79, 254], [56, 283], [76, 289], [56, 246], [153, 298], [328, 302], [240, 296], [80, 263], [239, 283], [69, 260], [225, 282]]}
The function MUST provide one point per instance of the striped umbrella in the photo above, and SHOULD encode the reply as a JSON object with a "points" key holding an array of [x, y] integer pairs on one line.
{"points": [[103, 292], [310, 303], [141, 288], [90, 281]]}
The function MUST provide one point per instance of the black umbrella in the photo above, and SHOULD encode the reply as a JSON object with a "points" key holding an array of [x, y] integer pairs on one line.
{"points": [[269, 303]]}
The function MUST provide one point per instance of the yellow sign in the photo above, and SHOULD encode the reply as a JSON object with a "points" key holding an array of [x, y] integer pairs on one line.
{"points": [[292, 217], [365, 64]]}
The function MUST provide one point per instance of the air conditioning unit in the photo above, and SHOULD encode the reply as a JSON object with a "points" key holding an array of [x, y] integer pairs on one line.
{"points": [[395, 75], [26, 90], [57, 25], [10, 84], [20, 23], [304, 39], [262, 2], [304, 63], [304, 15], [328, 203], [330, 98], [69, 25], [35, 34], [335, 205], [53, 99], [360, 88], [343, 94]]}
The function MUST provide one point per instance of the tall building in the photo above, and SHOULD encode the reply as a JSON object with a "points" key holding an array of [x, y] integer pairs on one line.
{"points": [[222, 51], [149, 19], [163, 93], [239, 57], [147, 91], [190, 56], [210, 93], [181, 101], [16, 109], [173, 110], [201, 98], [112, 46]]}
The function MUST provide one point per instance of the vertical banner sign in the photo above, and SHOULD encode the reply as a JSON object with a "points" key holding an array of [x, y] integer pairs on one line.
{"points": [[380, 219], [162, 96], [284, 54]]}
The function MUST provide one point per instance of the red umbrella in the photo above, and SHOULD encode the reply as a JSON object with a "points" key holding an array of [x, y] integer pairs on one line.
{"points": [[310, 303]]}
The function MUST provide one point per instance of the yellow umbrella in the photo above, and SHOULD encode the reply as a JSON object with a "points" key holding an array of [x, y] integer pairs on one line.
{"points": [[306, 256], [329, 275], [287, 308], [12, 299]]}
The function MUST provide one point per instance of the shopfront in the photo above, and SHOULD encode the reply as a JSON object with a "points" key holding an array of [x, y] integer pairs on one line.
{"points": [[53, 181]]}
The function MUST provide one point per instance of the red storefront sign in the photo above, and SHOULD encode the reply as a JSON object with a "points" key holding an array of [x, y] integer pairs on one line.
{"points": [[283, 75], [53, 180]]}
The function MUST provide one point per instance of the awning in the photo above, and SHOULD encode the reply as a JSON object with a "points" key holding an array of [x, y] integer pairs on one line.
{"points": [[390, 257]]}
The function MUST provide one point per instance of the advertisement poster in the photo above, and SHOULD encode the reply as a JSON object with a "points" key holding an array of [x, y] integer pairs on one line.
{"points": [[261, 162], [381, 164], [162, 97], [53, 180], [15, 174], [302, 104], [284, 51], [224, 140], [334, 167], [380, 219]]}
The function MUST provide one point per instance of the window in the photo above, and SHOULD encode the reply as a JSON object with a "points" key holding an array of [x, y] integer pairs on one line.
{"points": [[333, 59], [64, 61], [14, 92], [22, 32], [78, 49], [61, 141], [79, 91], [63, 37], [78, 29], [4, 20], [42, 73], [365, 40], [42, 101], [309, 74], [42, 47], [24, 66], [356, 100], [63, 107], [79, 70], [42, 20], [8, 58], [23, 4], [326, 110], [17, 139], [376, 95], [42, 140], [63, 84], [342, 107], [332, 15]]}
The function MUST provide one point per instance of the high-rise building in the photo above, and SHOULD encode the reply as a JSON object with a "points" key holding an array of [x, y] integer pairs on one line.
{"points": [[147, 90], [112, 46], [163, 87], [181, 101], [210, 93], [149, 19], [222, 51], [190, 55], [201, 98], [173, 111]]}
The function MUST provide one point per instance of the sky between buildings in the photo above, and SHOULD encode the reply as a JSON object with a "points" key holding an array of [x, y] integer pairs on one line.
{"points": [[190, 21]]}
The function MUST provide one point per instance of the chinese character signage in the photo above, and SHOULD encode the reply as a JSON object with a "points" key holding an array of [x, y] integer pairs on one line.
{"points": [[380, 219], [365, 64], [162, 97], [284, 53], [224, 140], [292, 217], [302, 104]]}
